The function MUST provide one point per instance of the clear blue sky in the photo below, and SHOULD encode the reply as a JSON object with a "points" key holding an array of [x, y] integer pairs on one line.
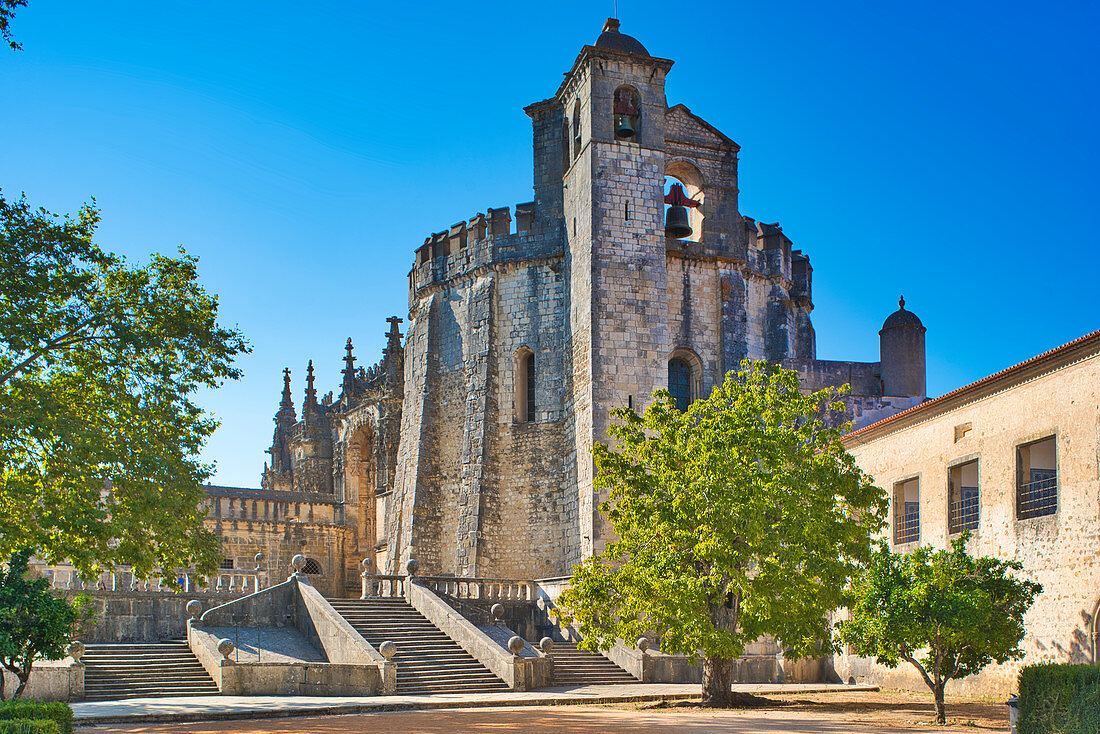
{"points": [[944, 150]]}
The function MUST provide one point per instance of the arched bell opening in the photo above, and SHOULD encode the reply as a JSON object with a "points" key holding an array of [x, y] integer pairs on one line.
{"points": [[684, 202], [627, 112], [361, 477]]}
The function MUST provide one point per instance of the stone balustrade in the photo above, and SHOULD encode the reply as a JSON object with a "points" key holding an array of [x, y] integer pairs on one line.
{"points": [[481, 588], [231, 582]]}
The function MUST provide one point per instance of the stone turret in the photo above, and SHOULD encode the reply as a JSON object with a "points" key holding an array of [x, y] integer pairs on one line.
{"points": [[901, 351]]}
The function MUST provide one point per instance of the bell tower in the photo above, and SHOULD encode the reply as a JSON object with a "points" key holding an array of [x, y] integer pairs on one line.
{"points": [[613, 140]]}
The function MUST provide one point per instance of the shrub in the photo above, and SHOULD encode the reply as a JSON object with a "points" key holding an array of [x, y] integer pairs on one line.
{"points": [[1059, 699], [29, 726], [57, 712]]}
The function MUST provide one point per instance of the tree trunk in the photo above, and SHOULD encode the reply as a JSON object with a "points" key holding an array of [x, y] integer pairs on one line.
{"points": [[717, 680], [941, 712]]}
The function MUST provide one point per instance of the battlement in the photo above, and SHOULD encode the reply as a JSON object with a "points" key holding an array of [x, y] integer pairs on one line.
{"points": [[487, 237]]}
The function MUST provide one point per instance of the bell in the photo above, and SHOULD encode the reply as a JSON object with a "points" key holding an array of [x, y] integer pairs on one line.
{"points": [[676, 223], [623, 128]]}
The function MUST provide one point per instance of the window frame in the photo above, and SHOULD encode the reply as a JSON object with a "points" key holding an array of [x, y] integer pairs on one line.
{"points": [[1043, 510], [895, 525], [959, 463]]}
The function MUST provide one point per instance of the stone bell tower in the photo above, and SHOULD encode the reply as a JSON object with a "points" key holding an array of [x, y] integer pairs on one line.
{"points": [[613, 101]]}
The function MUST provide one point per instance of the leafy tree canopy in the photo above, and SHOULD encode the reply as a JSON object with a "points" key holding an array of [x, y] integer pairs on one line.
{"points": [[34, 623], [945, 612], [741, 517], [99, 437], [7, 11]]}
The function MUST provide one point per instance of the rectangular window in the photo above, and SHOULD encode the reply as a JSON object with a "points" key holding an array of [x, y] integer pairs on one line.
{"points": [[1036, 479], [530, 388], [962, 497], [226, 564], [907, 511]]}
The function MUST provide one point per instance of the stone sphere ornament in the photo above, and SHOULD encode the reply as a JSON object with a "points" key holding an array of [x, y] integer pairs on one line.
{"points": [[366, 564], [76, 650], [546, 645], [412, 566], [516, 644], [225, 647], [643, 643], [388, 649], [258, 558], [194, 608], [497, 610], [298, 562]]}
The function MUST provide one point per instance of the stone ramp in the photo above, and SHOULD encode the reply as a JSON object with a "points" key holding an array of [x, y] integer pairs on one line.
{"points": [[573, 666], [144, 670], [428, 661]]}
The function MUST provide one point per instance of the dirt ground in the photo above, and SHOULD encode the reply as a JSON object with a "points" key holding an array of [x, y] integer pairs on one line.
{"points": [[839, 713]]}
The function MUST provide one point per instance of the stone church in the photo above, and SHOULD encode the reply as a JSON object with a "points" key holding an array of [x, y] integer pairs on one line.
{"points": [[468, 446]]}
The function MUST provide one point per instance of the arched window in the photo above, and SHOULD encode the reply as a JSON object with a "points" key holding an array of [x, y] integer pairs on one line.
{"points": [[312, 567], [628, 112], [576, 128], [565, 157], [525, 385], [679, 382]]}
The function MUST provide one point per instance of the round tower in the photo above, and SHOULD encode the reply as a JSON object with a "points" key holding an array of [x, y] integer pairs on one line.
{"points": [[901, 352]]}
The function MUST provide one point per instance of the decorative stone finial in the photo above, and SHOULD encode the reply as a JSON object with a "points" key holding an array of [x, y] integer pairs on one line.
{"points": [[611, 25], [516, 644], [412, 566], [546, 645], [225, 647], [643, 643], [76, 650], [366, 564], [388, 649], [901, 302], [497, 610], [298, 562], [194, 608], [259, 558]]}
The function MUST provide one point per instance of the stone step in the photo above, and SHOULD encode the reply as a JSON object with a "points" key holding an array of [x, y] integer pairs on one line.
{"points": [[131, 670]]}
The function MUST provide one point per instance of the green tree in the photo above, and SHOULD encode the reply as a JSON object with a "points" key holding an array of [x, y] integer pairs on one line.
{"points": [[743, 516], [99, 360], [7, 12], [34, 624], [944, 612]]}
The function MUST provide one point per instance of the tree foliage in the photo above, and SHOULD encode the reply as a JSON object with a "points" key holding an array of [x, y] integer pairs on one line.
{"points": [[743, 516], [7, 12], [99, 360], [34, 623], [945, 612]]}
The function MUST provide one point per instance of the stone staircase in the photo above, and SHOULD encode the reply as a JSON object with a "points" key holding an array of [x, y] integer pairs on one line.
{"points": [[573, 666], [144, 670], [427, 660]]}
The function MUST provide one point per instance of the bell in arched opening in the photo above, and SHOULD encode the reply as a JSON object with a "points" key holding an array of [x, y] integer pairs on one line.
{"points": [[676, 223], [676, 219], [624, 128]]}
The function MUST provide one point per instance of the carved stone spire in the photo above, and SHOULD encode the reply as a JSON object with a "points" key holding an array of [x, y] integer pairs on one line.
{"points": [[311, 394], [348, 390], [286, 412], [394, 354]]}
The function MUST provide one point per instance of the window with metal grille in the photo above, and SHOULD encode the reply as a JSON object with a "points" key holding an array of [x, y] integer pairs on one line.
{"points": [[962, 497], [1036, 479], [312, 567], [226, 564], [907, 511], [679, 382]]}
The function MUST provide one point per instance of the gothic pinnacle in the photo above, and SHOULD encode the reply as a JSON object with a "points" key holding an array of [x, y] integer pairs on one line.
{"points": [[348, 388], [311, 393]]}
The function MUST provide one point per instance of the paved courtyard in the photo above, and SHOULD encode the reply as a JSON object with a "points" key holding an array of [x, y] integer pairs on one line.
{"points": [[830, 713]]}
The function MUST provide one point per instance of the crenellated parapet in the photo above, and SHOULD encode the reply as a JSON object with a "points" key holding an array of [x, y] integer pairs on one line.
{"points": [[488, 238]]}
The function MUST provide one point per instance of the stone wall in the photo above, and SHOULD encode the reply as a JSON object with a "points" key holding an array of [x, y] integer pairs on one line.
{"points": [[1059, 398]]}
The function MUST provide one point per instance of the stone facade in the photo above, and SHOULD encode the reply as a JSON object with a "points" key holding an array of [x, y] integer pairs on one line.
{"points": [[469, 446], [1014, 458]]}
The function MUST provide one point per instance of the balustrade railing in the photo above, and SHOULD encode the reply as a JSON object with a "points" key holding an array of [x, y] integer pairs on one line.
{"points": [[1037, 498], [480, 588], [231, 582]]}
